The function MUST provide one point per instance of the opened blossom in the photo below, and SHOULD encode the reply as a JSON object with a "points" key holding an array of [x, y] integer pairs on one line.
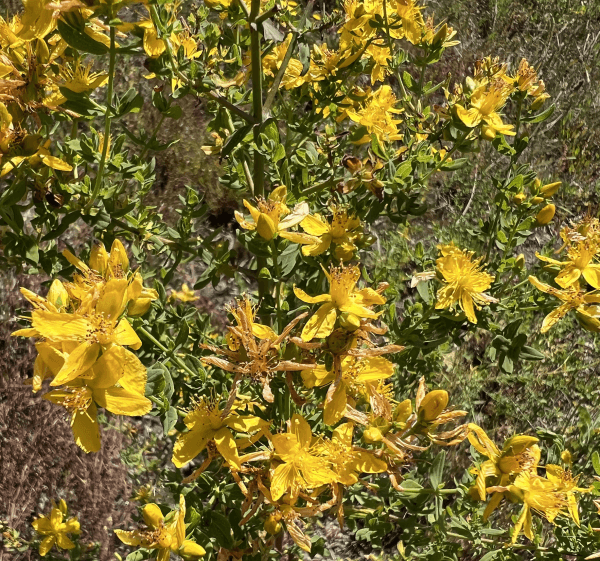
{"points": [[55, 530], [342, 297], [465, 282], [165, 534]]}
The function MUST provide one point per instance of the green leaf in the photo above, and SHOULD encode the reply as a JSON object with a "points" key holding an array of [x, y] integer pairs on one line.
{"points": [[220, 529], [271, 33], [234, 139], [79, 40], [540, 116], [529, 353], [490, 555], [182, 336], [436, 473], [169, 420], [455, 164], [403, 171], [596, 462]]}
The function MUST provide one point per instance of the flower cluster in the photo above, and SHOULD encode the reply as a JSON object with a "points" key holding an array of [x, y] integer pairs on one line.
{"points": [[582, 246], [82, 335], [511, 473]]}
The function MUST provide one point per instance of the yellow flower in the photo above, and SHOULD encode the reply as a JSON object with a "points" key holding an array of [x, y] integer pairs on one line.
{"points": [[342, 231], [520, 453], [163, 533], [104, 266], [573, 298], [549, 497], [564, 480], [185, 295], [271, 217], [342, 297], [302, 466], [466, 283], [82, 396], [80, 78], [485, 102], [348, 462], [358, 380], [376, 115], [580, 264], [55, 530], [89, 334], [41, 156], [37, 21], [206, 423]]}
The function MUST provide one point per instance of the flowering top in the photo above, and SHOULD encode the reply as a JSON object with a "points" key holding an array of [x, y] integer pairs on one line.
{"points": [[55, 529], [163, 533], [342, 297], [465, 282]]}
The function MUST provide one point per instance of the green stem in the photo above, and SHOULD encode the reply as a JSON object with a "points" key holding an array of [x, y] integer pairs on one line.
{"points": [[424, 318], [169, 353], [245, 166], [275, 86], [275, 257], [107, 119], [147, 147], [257, 102], [446, 156]]}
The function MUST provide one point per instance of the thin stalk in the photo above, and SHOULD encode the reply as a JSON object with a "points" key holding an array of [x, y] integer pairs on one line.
{"points": [[169, 353], [245, 165], [107, 119], [257, 102], [446, 157], [147, 147], [275, 257], [257, 114], [279, 76]]}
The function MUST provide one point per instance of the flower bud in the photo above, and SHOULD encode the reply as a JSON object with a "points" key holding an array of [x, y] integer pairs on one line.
{"points": [[566, 457], [470, 84], [265, 227], [550, 189], [99, 258], [537, 200], [520, 261], [372, 434], [488, 133], [432, 405], [519, 198], [440, 36], [535, 186], [349, 321], [191, 550], [273, 525], [545, 215]]}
